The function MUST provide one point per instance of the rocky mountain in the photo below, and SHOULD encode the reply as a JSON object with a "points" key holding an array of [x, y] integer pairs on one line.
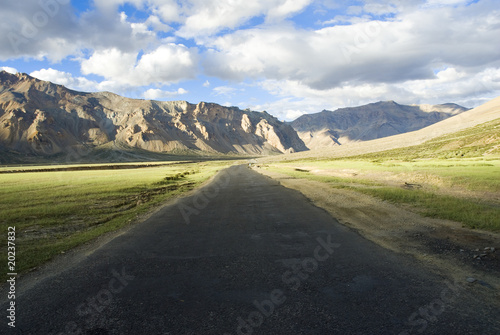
{"points": [[43, 119], [476, 130], [372, 121]]}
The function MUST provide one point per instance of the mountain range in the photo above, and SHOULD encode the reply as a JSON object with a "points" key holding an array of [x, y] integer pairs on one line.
{"points": [[39, 119], [372, 121], [452, 134]]}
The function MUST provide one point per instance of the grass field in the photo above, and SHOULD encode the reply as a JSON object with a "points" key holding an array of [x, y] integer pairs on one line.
{"points": [[466, 190], [53, 212], [454, 176]]}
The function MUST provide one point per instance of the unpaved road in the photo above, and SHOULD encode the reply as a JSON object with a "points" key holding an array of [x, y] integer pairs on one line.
{"points": [[244, 256]]}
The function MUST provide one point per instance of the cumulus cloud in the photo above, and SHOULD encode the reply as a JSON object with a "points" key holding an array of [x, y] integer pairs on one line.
{"points": [[156, 93], [109, 63], [408, 47], [8, 69], [49, 29], [66, 79], [79, 83], [166, 64], [440, 3], [205, 18], [227, 91], [29, 25]]}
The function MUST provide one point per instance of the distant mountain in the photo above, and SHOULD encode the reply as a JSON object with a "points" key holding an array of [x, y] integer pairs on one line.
{"points": [[474, 132], [42, 119], [372, 121]]}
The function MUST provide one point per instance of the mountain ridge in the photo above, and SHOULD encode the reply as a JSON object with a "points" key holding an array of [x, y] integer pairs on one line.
{"points": [[41, 118], [481, 115], [368, 122]]}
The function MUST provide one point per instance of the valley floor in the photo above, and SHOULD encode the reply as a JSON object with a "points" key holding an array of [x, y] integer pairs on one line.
{"points": [[254, 257]]}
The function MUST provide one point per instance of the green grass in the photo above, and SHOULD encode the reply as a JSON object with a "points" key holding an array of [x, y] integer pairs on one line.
{"points": [[56, 211], [477, 174], [469, 143], [471, 213], [467, 174]]}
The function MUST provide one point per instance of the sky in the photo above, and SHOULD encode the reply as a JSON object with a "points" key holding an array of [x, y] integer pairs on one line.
{"points": [[288, 57]]}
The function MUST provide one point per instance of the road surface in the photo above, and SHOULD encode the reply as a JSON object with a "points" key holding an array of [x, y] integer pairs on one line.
{"points": [[245, 255]]}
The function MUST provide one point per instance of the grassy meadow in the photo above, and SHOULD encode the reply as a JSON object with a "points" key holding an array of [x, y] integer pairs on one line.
{"points": [[466, 191], [463, 190], [58, 210]]}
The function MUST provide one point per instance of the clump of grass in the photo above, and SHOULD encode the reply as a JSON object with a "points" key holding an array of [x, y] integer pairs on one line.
{"points": [[173, 178], [471, 213]]}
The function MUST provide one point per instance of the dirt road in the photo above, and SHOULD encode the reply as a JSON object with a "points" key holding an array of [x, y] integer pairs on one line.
{"points": [[245, 255]]}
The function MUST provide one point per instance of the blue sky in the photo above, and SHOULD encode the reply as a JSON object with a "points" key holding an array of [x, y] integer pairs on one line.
{"points": [[288, 57]]}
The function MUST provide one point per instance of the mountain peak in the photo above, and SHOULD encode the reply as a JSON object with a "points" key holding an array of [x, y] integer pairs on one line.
{"points": [[363, 123], [42, 118]]}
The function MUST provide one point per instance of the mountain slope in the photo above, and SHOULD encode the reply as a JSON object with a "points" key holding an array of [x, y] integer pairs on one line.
{"points": [[41, 118], [474, 128], [372, 121], [480, 140]]}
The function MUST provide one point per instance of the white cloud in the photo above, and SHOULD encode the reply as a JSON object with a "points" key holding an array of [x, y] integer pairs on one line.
{"points": [[205, 18], [108, 6], [80, 83], [167, 10], [408, 47], [28, 28], [209, 17], [206, 84], [224, 90], [440, 3], [109, 63], [167, 64], [155, 94], [286, 8], [460, 87], [51, 30], [157, 25], [66, 79], [8, 69], [379, 9]]}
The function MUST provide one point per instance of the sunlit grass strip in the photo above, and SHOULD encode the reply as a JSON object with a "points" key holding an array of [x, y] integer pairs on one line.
{"points": [[470, 212], [56, 211], [471, 174]]}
